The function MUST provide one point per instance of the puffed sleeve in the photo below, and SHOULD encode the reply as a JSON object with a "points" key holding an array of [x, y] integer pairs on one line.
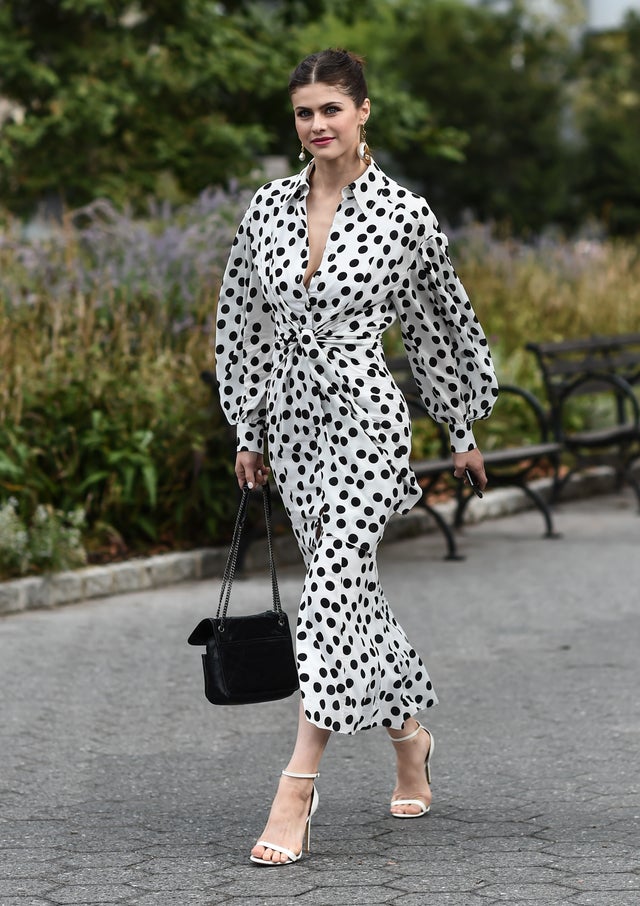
{"points": [[244, 343], [445, 344]]}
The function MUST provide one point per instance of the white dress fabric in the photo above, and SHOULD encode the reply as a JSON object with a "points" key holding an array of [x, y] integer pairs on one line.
{"points": [[306, 368]]}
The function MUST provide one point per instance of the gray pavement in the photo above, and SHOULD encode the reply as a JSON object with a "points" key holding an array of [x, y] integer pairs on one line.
{"points": [[120, 784]]}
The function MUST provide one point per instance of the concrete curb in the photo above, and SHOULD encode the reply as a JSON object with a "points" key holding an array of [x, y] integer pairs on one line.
{"points": [[58, 589]]}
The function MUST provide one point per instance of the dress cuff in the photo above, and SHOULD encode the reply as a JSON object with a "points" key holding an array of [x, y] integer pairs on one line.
{"points": [[461, 436], [249, 438]]}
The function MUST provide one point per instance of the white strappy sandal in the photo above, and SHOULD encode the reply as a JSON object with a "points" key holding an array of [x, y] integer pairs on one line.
{"points": [[291, 856], [424, 809]]}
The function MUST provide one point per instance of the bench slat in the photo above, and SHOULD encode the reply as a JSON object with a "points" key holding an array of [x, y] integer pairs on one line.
{"points": [[585, 344]]}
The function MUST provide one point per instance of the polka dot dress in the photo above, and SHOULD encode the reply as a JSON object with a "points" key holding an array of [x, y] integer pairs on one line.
{"points": [[305, 367]]}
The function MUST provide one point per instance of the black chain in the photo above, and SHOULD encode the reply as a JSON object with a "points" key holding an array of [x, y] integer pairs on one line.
{"points": [[230, 567]]}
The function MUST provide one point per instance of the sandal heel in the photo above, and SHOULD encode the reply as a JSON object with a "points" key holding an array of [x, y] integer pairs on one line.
{"points": [[306, 837], [424, 809]]}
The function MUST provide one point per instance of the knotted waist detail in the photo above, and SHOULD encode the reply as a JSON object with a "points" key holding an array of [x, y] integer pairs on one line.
{"points": [[307, 339], [305, 359], [312, 348]]}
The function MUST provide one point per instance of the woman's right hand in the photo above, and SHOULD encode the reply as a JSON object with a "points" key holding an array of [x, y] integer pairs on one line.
{"points": [[473, 461], [250, 468]]}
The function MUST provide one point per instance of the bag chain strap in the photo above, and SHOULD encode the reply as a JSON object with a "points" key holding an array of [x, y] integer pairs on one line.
{"points": [[230, 567]]}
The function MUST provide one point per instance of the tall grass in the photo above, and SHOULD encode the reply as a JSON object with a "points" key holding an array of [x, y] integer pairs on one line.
{"points": [[105, 327], [549, 290], [106, 324]]}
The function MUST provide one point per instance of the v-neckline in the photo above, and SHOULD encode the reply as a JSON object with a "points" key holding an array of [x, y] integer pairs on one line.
{"points": [[307, 286]]}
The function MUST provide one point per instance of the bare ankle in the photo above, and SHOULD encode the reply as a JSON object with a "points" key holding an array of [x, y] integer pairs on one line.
{"points": [[300, 787]]}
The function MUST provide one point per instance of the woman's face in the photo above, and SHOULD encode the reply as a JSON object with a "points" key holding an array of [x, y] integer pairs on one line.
{"points": [[327, 120]]}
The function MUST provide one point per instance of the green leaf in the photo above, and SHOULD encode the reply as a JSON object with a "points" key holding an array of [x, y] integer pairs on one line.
{"points": [[151, 482], [93, 479], [9, 468]]}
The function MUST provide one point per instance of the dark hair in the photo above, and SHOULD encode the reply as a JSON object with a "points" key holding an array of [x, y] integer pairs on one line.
{"points": [[336, 67]]}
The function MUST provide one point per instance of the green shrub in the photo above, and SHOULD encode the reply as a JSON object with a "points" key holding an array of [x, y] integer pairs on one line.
{"points": [[52, 541], [104, 331], [14, 541], [55, 539]]}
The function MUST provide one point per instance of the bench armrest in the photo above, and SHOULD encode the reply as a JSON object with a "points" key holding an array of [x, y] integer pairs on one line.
{"points": [[622, 390], [541, 415]]}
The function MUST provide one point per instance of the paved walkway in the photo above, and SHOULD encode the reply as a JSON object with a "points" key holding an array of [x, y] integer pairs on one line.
{"points": [[119, 784]]}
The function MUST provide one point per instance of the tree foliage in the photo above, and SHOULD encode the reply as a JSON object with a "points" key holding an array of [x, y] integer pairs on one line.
{"points": [[608, 117], [498, 76], [158, 98], [485, 108], [125, 101]]}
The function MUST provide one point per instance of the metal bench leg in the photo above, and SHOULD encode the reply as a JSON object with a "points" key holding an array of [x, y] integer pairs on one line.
{"points": [[559, 483], [452, 549], [541, 505], [633, 482], [463, 501]]}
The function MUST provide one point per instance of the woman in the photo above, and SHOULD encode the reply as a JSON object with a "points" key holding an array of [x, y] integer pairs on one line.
{"points": [[322, 264]]}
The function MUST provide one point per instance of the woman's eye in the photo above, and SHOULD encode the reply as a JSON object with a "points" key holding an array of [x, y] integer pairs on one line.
{"points": [[302, 114], [333, 110]]}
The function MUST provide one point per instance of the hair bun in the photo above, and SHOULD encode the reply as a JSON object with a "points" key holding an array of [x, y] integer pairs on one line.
{"points": [[354, 57], [334, 66]]}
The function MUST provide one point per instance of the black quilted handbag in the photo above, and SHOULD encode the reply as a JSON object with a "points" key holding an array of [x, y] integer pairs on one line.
{"points": [[247, 659]]}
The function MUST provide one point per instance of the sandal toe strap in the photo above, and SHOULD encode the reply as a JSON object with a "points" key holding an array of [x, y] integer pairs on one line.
{"points": [[421, 805], [278, 849]]}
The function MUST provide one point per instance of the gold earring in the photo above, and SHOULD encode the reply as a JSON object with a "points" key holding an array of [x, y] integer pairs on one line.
{"points": [[363, 148], [302, 156]]}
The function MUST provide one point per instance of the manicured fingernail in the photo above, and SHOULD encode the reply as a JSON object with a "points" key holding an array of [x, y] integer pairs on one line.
{"points": [[249, 484]]}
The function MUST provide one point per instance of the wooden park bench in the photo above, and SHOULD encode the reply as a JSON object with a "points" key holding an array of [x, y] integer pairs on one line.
{"points": [[592, 387]]}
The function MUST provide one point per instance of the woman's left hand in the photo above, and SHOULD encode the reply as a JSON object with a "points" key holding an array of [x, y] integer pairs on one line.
{"points": [[473, 461], [250, 468]]}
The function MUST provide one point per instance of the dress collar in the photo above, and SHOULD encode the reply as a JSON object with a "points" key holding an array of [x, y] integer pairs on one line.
{"points": [[365, 189]]}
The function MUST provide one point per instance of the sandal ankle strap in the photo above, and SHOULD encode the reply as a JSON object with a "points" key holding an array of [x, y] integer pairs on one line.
{"points": [[301, 776], [409, 736]]}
